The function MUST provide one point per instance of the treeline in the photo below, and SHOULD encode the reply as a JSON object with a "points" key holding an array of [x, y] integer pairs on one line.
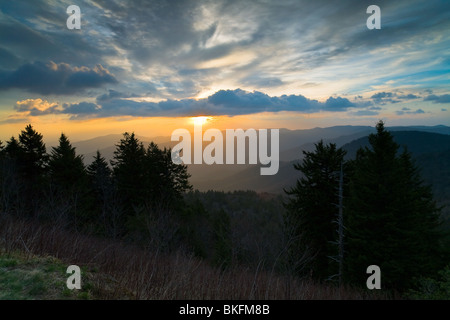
{"points": [[373, 210], [138, 196], [141, 196], [341, 217]]}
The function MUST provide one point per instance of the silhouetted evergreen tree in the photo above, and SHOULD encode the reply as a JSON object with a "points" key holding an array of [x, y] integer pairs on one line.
{"points": [[32, 161], [100, 174], [68, 179], [391, 217], [165, 180], [12, 148], [105, 205], [128, 168], [12, 183], [312, 209]]}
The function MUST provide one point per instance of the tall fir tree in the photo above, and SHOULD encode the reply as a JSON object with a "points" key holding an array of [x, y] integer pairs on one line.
{"points": [[105, 205], [68, 179], [312, 209], [66, 168], [166, 180], [391, 217], [12, 149], [12, 182], [32, 163], [100, 173], [128, 170]]}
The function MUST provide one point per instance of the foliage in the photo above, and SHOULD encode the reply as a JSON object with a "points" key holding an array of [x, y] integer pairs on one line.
{"points": [[312, 209], [391, 217], [432, 288]]}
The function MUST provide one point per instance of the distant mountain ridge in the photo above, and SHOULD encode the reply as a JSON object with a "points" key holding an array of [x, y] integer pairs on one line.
{"points": [[420, 140]]}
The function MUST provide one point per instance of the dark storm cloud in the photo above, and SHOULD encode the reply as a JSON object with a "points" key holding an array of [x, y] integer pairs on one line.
{"points": [[52, 78]]}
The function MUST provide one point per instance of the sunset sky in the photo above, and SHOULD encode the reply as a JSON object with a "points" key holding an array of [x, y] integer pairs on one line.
{"points": [[149, 66]]}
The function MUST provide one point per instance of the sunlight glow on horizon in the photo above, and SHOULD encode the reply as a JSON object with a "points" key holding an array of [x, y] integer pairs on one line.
{"points": [[201, 120]]}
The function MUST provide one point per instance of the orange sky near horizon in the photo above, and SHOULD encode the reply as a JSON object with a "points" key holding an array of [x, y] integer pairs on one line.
{"points": [[77, 130], [51, 127]]}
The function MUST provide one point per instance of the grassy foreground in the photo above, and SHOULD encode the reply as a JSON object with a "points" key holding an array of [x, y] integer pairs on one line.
{"points": [[30, 277], [34, 259]]}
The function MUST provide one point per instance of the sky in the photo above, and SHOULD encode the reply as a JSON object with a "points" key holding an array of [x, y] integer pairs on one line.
{"points": [[150, 66]]}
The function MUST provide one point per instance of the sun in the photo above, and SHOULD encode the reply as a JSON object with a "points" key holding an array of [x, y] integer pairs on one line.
{"points": [[201, 120]]}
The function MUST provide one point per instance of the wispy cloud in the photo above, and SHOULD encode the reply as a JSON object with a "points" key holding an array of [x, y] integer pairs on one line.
{"points": [[276, 52], [409, 111]]}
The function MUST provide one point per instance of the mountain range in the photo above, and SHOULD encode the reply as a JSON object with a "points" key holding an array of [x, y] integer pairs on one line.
{"points": [[430, 146]]}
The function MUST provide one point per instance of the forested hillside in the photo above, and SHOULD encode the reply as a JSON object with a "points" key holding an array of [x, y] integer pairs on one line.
{"points": [[142, 199]]}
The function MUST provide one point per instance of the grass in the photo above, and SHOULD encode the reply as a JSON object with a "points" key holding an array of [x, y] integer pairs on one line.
{"points": [[34, 259], [31, 277]]}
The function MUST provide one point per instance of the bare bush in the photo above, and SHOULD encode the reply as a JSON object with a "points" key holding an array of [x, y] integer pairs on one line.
{"points": [[144, 274]]}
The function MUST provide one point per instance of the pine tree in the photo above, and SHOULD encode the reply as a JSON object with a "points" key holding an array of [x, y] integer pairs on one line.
{"points": [[68, 178], [391, 218], [34, 151], [99, 172], [12, 183], [312, 208], [32, 162], [12, 148], [105, 205], [128, 169], [166, 180], [66, 168]]}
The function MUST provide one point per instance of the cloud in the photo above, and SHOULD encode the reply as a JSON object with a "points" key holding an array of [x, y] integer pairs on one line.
{"points": [[113, 94], [338, 104], [80, 108], [445, 98], [360, 113], [408, 111], [8, 59], [223, 102], [36, 107], [381, 95], [262, 82], [52, 78], [383, 98], [408, 97], [177, 49]]}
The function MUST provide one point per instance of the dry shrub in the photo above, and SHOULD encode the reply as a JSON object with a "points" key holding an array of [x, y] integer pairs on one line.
{"points": [[140, 274]]}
